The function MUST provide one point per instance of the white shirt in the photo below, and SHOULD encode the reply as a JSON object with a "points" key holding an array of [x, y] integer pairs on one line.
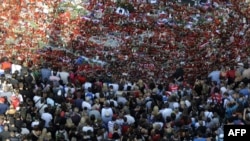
{"points": [[86, 104], [87, 128], [25, 131], [50, 101], [87, 85], [37, 100], [158, 123], [225, 102], [119, 121], [130, 119], [188, 103], [208, 114], [47, 117], [115, 87], [127, 85], [176, 105], [41, 108], [115, 102], [121, 99], [197, 124], [64, 76], [34, 123], [15, 67], [54, 78], [166, 112], [106, 112], [111, 126], [19, 96]]}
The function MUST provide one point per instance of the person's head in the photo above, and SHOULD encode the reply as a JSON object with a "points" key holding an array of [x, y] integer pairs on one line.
{"points": [[226, 94], [2, 100], [76, 109], [61, 127], [214, 83], [37, 131], [46, 110], [125, 119], [107, 104], [92, 118], [16, 91], [216, 90]]}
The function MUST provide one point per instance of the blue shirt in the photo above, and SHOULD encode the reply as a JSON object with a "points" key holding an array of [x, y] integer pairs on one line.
{"points": [[3, 108], [1, 128], [46, 73], [244, 91], [79, 61], [78, 103], [200, 139], [230, 110], [215, 76]]}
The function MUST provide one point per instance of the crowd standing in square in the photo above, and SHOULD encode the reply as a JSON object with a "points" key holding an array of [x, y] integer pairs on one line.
{"points": [[152, 94]]}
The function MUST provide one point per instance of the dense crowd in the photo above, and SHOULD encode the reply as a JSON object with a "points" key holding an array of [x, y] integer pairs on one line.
{"points": [[56, 99], [46, 103]]}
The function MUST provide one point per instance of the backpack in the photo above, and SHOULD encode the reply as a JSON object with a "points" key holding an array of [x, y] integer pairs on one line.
{"points": [[60, 136]]}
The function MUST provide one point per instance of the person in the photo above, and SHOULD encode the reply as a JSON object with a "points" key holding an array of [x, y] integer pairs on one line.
{"points": [[45, 73], [6, 65], [47, 117], [200, 137], [178, 75], [64, 75], [16, 67], [215, 76], [176, 119], [3, 106], [62, 134], [246, 115], [231, 74], [35, 133], [106, 114], [16, 98], [5, 134]]}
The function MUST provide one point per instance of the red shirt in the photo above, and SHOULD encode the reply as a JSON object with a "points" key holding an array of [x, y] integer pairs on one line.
{"points": [[81, 79], [217, 98], [173, 88], [6, 65], [231, 74]]}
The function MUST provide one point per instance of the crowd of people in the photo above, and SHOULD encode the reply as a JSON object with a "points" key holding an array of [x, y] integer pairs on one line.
{"points": [[46, 103], [178, 72]]}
